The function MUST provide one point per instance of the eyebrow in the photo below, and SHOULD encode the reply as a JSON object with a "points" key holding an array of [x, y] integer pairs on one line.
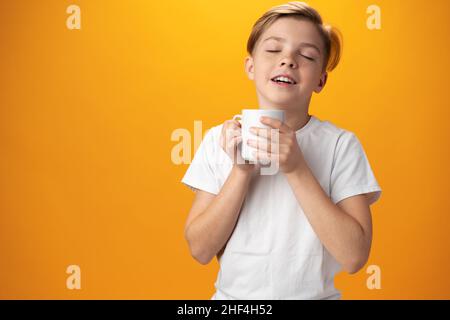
{"points": [[303, 44]]}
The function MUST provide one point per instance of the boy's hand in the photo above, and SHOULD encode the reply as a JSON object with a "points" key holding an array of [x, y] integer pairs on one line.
{"points": [[229, 140], [284, 148]]}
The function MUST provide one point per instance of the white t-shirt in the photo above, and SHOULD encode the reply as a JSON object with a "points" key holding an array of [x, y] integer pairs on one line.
{"points": [[273, 252]]}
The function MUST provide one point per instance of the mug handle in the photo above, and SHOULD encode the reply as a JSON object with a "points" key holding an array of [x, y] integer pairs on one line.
{"points": [[235, 117]]}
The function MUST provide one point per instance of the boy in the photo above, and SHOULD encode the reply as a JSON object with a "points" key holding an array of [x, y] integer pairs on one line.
{"points": [[283, 236]]}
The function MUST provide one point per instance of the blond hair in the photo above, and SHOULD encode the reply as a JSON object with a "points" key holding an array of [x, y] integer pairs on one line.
{"points": [[331, 37]]}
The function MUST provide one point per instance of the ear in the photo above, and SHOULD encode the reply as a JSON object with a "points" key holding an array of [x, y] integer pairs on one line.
{"points": [[249, 68], [322, 82]]}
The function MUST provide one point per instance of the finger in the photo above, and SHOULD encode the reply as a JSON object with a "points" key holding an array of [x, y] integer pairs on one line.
{"points": [[272, 135], [275, 124], [261, 132], [233, 123], [237, 139], [264, 145], [231, 126], [264, 157], [230, 133], [233, 142]]}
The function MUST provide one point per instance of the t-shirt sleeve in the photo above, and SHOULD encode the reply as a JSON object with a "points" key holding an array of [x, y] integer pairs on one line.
{"points": [[201, 172], [351, 173]]}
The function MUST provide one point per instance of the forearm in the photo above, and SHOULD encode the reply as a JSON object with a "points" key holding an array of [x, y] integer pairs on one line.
{"points": [[210, 231], [340, 233]]}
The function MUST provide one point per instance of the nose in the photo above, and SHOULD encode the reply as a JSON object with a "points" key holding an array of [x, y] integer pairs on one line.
{"points": [[289, 62]]}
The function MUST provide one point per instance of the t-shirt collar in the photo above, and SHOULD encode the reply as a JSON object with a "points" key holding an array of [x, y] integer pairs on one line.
{"points": [[307, 127]]}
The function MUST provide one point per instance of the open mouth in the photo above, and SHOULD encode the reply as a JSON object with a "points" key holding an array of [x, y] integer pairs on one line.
{"points": [[283, 80]]}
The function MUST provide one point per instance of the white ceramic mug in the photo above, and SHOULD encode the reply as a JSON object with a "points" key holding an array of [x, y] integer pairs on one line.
{"points": [[251, 118]]}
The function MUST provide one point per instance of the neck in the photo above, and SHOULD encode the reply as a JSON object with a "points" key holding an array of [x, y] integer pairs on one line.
{"points": [[296, 119]]}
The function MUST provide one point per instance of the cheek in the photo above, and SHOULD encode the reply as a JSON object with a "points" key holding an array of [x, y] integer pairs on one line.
{"points": [[262, 74], [310, 75], [263, 69]]}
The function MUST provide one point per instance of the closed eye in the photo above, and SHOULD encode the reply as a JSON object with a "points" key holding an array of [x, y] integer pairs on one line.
{"points": [[306, 57]]}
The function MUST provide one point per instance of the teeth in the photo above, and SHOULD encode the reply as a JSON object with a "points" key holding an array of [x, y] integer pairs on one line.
{"points": [[283, 79]]}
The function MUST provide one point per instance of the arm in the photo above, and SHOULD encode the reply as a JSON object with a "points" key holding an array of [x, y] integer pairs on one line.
{"points": [[345, 229], [212, 218]]}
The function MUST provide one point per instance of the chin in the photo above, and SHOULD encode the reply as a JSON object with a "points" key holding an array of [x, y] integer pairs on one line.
{"points": [[283, 102], [278, 100]]}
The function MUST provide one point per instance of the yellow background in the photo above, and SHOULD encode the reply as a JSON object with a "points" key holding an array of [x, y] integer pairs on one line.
{"points": [[86, 118]]}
